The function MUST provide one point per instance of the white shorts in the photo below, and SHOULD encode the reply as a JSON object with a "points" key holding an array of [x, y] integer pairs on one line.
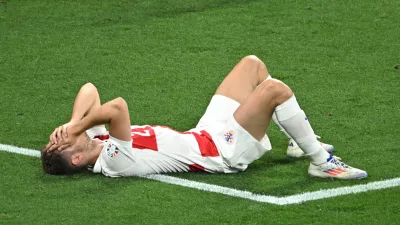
{"points": [[238, 147]]}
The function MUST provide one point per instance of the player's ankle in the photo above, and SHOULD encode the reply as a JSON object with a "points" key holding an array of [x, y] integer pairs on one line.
{"points": [[319, 157]]}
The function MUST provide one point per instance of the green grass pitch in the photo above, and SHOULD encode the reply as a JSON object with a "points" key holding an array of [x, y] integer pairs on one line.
{"points": [[166, 58]]}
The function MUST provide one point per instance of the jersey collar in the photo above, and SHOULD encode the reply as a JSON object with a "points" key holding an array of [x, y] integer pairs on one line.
{"points": [[97, 166]]}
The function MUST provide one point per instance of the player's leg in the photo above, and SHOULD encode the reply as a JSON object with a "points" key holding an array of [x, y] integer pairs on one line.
{"points": [[233, 90], [272, 95], [243, 79], [293, 149], [256, 111]]}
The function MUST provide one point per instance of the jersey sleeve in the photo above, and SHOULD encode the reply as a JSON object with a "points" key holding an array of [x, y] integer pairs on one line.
{"points": [[115, 157], [96, 131], [124, 146]]}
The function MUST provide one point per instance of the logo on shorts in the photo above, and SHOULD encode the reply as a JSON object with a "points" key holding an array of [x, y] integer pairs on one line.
{"points": [[229, 136], [112, 150]]}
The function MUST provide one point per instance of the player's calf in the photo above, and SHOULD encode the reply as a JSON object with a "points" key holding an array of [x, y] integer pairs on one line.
{"points": [[256, 111]]}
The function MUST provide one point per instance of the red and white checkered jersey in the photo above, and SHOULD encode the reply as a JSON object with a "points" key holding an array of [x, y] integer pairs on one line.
{"points": [[157, 149]]}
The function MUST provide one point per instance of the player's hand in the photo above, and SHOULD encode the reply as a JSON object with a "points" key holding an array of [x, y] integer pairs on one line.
{"points": [[53, 146], [65, 138], [49, 147], [69, 137], [59, 133]]}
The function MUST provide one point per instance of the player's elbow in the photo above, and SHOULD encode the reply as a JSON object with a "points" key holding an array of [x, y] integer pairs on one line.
{"points": [[120, 105]]}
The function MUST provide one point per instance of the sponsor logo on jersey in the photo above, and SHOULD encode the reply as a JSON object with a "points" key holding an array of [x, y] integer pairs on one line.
{"points": [[229, 136], [112, 150]]}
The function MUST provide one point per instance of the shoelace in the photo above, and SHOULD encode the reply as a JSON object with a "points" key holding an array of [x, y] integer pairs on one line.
{"points": [[336, 160]]}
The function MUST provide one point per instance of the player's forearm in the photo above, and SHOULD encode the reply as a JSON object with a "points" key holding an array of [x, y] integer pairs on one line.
{"points": [[85, 100], [98, 116]]}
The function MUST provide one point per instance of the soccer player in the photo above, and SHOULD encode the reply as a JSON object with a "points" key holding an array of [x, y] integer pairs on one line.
{"points": [[229, 136]]}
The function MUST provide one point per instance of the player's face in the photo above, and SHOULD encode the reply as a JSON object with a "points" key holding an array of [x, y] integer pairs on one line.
{"points": [[73, 155]]}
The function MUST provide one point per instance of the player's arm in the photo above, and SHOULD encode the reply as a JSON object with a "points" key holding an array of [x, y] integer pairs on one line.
{"points": [[86, 100], [115, 113]]}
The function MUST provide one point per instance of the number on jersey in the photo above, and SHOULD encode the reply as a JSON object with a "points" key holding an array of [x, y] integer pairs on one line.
{"points": [[144, 138]]}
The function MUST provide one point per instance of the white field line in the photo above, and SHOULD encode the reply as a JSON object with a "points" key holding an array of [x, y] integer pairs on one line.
{"points": [[18, 150], [292, 199], [287, 200]]}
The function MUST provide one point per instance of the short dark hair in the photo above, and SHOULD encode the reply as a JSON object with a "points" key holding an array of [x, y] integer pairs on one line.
{"points": [[56, 163]]}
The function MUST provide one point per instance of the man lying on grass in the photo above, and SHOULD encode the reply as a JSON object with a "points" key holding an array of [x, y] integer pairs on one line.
{"points": [[229, 136]]}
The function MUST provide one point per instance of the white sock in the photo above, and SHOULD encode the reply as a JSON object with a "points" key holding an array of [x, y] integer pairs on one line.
{"points": [[294, 121], [280, 126], [276, 120]]}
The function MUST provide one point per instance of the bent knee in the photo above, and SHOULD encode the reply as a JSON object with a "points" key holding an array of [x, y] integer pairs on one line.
{"points": [[276, 89], [119, 104], [252, 59], [89, 86]]}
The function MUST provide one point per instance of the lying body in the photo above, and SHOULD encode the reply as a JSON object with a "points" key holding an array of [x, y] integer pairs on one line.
{"points": [[229, 136]]}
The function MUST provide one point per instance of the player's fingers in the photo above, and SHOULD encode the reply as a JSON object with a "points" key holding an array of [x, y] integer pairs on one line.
{"points": [[48, 146], [53, 147], [63, 147], [59, 134], [64, 132], [53, 138]]}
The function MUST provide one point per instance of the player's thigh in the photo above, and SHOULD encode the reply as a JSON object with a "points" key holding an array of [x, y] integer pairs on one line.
{"points": [[243, 79], [218, 111], [255, 113]]}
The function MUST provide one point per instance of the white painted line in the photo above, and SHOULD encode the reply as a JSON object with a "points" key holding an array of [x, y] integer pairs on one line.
{"points": [[287, 200], [18, 150], [215, 188], [292, 199], [329, 193]]}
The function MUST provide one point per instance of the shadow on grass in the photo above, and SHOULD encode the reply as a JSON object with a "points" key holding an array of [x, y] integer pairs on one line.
{"points": [[166, 9]]}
